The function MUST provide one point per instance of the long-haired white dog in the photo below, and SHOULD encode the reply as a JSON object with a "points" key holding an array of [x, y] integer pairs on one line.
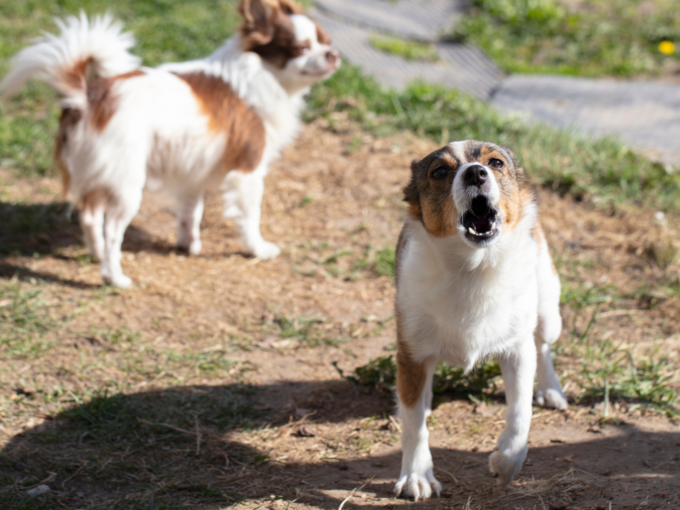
{"points": [[183, 128]]}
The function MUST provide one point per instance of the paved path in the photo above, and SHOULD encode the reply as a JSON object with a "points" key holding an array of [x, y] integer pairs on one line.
{"points": [[644, 115]]}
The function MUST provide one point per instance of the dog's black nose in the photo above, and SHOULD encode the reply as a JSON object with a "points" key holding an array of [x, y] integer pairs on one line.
{"points": [[475, 175]]}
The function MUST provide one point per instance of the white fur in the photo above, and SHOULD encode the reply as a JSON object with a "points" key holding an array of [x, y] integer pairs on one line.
{"points": [[159, 109], [462, 303], [50, 55]]}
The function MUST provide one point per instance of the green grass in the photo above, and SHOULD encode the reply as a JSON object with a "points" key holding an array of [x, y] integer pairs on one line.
{"points": [[603, 169], [608, 369], [410, 50], [308, 331], [24, 321], [588, 38], [381, 373]]}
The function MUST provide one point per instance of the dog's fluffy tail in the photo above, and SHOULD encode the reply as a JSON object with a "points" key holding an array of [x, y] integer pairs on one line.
{"points": [[85, 49]]}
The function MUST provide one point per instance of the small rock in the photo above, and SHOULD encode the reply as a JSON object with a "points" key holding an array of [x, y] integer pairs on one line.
{"points": [[595, 429], [267, 342], [38, 491], [306, 431], [484, 409]]}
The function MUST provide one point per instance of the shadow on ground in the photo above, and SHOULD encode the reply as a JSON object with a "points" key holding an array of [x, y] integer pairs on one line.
{"points": [[191, 447]]}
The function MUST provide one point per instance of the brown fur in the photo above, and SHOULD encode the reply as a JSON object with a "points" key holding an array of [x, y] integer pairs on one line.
{"points": [[410, 374], [228, 114], [68, 119], [95, 199], [102, 100], [268, 31], [75, 78], [321, 35], [430, 202]]}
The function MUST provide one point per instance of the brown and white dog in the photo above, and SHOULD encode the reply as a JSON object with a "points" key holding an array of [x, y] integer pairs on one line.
{"points": [[474, 279], [181, 128]]}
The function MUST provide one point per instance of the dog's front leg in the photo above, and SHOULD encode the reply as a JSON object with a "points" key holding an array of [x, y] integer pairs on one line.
{"points": [[518, 367], [413, 380], [243, 202]]}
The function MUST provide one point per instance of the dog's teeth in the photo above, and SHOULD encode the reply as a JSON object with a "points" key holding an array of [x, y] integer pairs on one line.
{"points": [[493, 226], [472, 231]]}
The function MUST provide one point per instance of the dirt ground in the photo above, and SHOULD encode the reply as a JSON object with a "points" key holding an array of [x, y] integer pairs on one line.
{"points": [[211, 382]]}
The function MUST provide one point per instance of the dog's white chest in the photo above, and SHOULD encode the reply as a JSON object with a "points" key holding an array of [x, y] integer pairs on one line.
{"points": [[462, 316]]}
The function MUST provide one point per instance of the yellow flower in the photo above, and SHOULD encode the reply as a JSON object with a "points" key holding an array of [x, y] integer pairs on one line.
{"points": [[666, 47]]}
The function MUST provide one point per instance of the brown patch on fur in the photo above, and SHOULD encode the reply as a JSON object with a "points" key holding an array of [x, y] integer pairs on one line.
{"points": [[94, 200], [229, 115], [68, 119], [512, 203], [430, 201], [440, 219], [410, 375], [101, 99], [75, 77], [268, 30], [321, 35]]}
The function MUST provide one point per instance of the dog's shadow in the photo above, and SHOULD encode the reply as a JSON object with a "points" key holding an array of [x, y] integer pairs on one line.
{"points": [[50, 229], [210, 446]]}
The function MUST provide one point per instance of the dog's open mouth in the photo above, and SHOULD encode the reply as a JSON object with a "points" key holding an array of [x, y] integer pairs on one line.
{"points": [[480, 221]]}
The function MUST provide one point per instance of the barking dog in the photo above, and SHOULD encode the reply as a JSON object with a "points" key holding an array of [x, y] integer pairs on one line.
{"points": [[183, 128], [474, 279]]}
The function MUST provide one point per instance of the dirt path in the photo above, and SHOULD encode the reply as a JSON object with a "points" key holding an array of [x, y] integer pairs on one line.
{"points": [[225, 364]]}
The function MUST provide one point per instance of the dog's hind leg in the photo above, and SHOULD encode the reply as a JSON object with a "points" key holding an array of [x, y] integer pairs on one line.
{"points": [[548, 389], [92, 222], [414, 383], [189, 215], [119, 213], [243, 201]]}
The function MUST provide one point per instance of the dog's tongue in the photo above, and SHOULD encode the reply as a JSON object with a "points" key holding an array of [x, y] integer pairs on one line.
{"points": [[481, 224]]}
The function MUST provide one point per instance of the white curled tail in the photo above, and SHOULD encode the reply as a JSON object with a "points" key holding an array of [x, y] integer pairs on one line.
{"points": [[83, 49]]}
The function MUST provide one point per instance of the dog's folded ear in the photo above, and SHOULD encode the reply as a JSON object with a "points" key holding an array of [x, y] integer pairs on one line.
{"points": [[258, 17], [290, 7]]}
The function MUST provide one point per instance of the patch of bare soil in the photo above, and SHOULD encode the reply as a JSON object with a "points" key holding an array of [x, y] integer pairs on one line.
{"points": [[212, 383]]}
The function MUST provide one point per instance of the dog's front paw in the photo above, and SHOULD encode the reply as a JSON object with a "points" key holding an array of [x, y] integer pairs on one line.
{"points": [[121, 281], [266, 250], [551, 397], [506, 464], [418, 486]]}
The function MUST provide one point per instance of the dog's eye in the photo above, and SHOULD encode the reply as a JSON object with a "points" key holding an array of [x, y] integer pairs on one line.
{"points": [[496, 164], [439, 173]]}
